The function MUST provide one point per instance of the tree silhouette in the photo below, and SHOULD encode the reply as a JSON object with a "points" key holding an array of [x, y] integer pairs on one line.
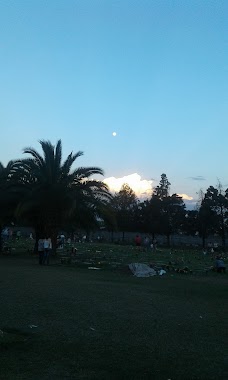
{"points": [[54, 192], [125, 203]]}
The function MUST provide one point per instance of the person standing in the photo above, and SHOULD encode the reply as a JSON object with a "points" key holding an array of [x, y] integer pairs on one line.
{"points": [[138, 241], [47, 248], [146, 243], [155, 243], [41, 250], [62, 237]]}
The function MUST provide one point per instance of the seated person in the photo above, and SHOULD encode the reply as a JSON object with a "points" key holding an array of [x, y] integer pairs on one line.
{"points": [[220, 265]]}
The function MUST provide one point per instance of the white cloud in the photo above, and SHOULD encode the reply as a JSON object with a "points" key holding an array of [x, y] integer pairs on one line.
{"points": [[186, 197], [141, 187]]}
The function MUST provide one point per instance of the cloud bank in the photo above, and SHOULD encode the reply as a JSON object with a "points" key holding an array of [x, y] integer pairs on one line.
{"points": [[141, 187], [185, 197]]}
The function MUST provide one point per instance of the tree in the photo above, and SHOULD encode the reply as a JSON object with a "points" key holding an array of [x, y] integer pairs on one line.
{"points": [[124, 204], [213, 212], [54, 192], [162, 190], [90, 212], [207, 220], [191, 224], [9, 195], [166, 212], [150, 216], [172, 215]]}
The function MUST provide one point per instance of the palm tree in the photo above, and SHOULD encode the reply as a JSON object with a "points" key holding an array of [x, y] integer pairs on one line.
{"points": [[53, 192]]}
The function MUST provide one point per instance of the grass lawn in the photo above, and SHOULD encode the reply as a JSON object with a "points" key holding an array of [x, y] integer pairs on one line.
{"points": [[107, 324]]}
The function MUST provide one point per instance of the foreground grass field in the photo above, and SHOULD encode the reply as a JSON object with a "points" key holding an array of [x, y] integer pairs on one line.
{"points": [[108, 324]]}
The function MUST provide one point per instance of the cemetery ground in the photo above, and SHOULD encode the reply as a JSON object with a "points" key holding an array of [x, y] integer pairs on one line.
{"points": [[65, 321]]}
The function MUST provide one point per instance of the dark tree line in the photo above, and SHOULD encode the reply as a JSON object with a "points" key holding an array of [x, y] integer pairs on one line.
{"points": [[165, 214], [161, 214], [44, 192]]}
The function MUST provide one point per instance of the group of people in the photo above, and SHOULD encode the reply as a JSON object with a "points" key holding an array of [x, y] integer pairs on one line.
{"points": [[44, 250], [147, 243]]}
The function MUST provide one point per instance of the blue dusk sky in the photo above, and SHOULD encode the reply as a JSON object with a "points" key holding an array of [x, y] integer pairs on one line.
{"points": [[154, 72]]}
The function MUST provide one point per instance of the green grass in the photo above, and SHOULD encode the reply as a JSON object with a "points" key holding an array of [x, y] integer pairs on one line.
{"points": [[108, 324], [115, 256]]}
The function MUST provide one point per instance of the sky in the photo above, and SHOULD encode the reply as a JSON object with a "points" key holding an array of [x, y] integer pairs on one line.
{"points": [[153, 72]]}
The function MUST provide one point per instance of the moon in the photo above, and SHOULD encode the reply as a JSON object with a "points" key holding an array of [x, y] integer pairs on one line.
{"points": [[114, 134]]}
